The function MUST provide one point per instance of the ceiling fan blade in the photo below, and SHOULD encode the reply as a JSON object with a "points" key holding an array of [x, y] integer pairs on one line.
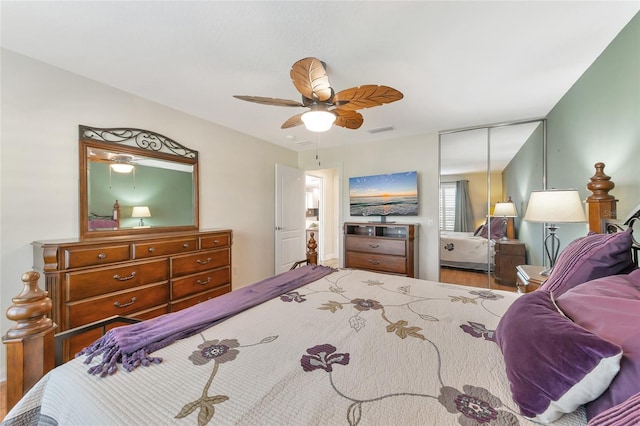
{"points": [[366, 96], [296, 120], [310, 78], [348, 119], [269, 101]]}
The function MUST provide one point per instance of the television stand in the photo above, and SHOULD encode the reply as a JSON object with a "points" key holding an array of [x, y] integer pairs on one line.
{"points": [[382, 247]]}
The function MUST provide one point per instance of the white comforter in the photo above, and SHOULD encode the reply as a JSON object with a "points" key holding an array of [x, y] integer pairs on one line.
{"points": [[352, 348], [464, 250]]}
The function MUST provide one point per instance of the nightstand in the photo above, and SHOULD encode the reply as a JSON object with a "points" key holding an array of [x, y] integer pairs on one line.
{"points": [[508, 255], [529, 278]]}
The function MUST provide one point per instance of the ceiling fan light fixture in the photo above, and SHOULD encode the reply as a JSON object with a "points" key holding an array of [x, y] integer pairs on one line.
{"points": [[122, 168], [318, 120]]}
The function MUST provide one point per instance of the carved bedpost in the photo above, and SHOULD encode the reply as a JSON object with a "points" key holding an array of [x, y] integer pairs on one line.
{"points": [[312, 254], [600, 204], [116, 213], [30, 343]]}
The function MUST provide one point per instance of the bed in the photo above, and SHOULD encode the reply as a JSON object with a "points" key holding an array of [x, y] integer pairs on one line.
{"points": [[102, 222], [322, 346], [471, 250], [350, 347]]}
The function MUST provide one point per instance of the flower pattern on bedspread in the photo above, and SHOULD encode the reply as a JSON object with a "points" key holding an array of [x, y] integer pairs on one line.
{"points": [[219, 352], [478, 330], [476, 405], [473, 405]]}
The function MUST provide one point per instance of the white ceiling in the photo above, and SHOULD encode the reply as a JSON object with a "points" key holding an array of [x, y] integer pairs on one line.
{"points": [[458, 63]]}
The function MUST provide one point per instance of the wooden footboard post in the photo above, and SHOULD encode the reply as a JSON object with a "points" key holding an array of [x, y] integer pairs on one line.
{"points": [[30, 342], [312, 254], [600, 204]]}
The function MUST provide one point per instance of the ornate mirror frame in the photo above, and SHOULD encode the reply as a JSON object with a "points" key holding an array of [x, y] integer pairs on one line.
{"points": [[131, 143]]}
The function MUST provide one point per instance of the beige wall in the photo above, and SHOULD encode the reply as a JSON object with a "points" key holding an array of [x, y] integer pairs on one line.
{"points": [[395, 155], [42, 107]]}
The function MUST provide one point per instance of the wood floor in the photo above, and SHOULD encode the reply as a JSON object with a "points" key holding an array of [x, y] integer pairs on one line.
{"points": [[472, 278]]}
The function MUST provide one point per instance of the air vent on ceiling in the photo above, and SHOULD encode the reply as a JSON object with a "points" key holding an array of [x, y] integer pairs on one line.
{"points": [[304, 143], [381, 129]]}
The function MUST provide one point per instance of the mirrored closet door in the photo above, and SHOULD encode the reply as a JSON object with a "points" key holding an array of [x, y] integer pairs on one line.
{"points": [[482, 168]]}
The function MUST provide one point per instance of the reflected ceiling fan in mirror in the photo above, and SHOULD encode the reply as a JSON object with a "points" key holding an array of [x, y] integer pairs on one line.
{"points": [[120, 163], [327, 108]]}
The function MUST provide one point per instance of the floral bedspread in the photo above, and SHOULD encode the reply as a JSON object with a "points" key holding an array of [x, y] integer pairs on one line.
{"points": [[353, 348]]}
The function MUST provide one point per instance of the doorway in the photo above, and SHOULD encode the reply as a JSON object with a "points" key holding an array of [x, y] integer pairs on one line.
{"points": [[322, 202]]}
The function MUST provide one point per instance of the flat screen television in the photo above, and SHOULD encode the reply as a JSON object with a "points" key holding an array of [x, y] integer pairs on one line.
{"points": [[392, 194]]}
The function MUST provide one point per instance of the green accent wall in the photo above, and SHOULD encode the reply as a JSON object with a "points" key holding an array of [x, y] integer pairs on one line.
{"points": [[523, 175], [598, 120]]}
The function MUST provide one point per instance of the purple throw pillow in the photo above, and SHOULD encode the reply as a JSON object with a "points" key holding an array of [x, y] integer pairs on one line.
{"points": [[552, 364], [610, 308], [591, 257], [497, 229]]}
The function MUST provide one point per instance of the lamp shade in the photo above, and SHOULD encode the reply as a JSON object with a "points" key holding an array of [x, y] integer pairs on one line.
{"points": [[318, 120], [555, 206], [505, 210], [141, 211]]}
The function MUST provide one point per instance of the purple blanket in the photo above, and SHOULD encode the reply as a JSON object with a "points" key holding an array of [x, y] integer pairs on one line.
{"points": [[132, 344]]}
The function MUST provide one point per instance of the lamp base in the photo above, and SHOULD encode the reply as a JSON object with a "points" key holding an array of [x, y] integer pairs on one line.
{"points": [[546, 272]]}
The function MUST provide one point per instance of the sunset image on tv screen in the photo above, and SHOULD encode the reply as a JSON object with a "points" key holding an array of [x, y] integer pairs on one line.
{"points": [[394, 194]]}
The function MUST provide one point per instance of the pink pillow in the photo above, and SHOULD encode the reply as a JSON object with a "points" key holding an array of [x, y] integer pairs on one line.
{"points": [[610, 308], [591, 257]]}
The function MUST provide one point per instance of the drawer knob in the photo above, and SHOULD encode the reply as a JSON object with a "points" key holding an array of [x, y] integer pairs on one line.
{"points": [[374, 261], [203, 262], [185, 245], [152, 249], [102, 256], [207, 281], [124, 305], [374, 245], [127, 278]]}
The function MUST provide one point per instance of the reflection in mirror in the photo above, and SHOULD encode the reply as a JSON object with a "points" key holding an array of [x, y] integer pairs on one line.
{"points": [[480, 167], [130, 183]]}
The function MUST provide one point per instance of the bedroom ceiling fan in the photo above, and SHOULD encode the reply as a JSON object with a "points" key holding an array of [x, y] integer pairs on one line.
{"points": [[326, 107]]}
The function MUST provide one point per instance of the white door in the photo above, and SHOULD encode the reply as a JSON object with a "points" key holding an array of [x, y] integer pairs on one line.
{"points": [[290, 233]]}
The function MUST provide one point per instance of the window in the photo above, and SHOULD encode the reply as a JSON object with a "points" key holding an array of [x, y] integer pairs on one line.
{"points": [[447, 206]]}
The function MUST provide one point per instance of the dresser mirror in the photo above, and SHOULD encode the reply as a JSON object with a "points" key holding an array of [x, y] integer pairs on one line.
{"points": [[135, 181]]}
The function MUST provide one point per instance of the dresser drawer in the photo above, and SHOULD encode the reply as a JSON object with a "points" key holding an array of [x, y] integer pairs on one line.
{"points": [[215, 241], [192, 284], [78, 257], [199, 298], [396, 265], [122, 303], [163, 248], [199, 262], [96, 282], [81, 341], [376, 245]]}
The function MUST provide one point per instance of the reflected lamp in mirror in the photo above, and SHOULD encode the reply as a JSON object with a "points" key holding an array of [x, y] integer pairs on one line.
{"points": [[141, 212], [122, 164], [506, 209], [552, 207]]}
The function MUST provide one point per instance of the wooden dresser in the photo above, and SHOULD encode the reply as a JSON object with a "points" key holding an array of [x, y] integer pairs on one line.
{"points": [[136, 276], [382, 247]]}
